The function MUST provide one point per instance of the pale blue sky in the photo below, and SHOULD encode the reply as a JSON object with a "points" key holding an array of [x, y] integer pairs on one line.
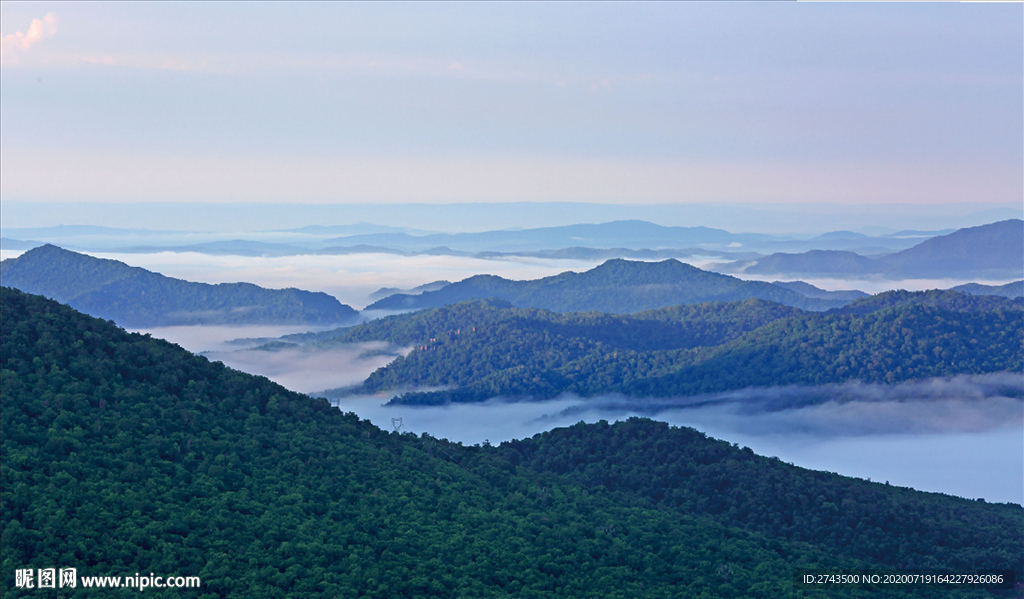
{"points": [[655, 103]]}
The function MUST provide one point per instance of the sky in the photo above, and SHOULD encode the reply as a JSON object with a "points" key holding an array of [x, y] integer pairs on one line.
{"points": [[634, 103]]}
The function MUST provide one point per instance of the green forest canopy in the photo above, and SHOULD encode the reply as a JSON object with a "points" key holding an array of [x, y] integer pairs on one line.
{"points": [[485, 348]]}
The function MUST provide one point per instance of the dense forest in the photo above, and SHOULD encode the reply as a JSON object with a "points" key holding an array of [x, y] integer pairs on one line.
{"points": [[484, 348], [123, 454], [136, 297]]}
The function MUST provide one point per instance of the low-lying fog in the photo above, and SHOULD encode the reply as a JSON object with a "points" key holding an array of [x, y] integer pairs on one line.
{"points": [[926, 436]]}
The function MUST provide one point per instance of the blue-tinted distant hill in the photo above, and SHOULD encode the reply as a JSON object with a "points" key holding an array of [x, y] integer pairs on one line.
{"points": [[631, 234], [817, 263], [135, 297], [995, 251], [618, 286], [8, 243], [809, 290]]}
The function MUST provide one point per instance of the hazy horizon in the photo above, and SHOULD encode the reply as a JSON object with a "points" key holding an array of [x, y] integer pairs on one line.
{"points": [[224, 218]]}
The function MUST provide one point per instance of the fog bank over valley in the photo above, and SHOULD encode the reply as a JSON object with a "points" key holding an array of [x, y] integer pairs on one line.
{"points": [[924, 435]]}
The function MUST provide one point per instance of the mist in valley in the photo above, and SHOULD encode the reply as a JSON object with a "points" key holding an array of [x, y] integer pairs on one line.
{"points": [[961, 436]]}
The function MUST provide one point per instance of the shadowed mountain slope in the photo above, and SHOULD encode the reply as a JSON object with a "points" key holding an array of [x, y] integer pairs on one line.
{"points": [[994, 251], [990, 250], [135, 297]]}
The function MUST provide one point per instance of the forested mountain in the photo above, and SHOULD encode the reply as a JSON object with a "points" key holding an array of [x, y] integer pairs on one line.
{"points": [[120, 453], [947, 300], [135, 297], [1014, 289], [619, 286], [682, 471], [481, 349]]}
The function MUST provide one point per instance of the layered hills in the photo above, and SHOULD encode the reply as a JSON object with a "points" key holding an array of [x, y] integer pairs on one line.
{"points": [[481, 349], [135, 297], [122, 454]]}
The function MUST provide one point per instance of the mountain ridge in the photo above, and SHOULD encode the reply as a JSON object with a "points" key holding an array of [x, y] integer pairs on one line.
{"points": [[615, 286], [995, 250], [136, 297]]}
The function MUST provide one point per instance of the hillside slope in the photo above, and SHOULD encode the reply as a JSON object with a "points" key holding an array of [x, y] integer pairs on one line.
{"points": [[135, 297]]}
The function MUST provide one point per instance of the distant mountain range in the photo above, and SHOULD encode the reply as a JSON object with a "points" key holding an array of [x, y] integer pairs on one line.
{"points": [[989, 251], [626, 234], [993, 251], [616, 239], [619, 286], [135, 297]]}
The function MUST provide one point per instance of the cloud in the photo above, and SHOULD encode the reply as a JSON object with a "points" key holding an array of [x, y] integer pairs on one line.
{"points": [[14, 43]]}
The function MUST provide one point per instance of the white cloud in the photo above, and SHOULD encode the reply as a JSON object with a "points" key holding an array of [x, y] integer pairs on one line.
{"points": [[12, 44]]}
